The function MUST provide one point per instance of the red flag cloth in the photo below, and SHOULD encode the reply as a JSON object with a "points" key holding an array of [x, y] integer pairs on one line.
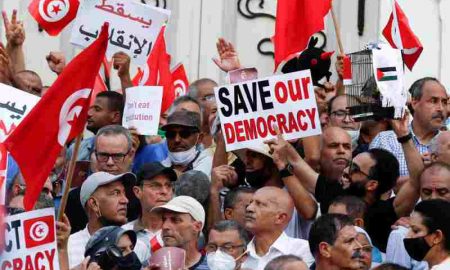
{"points": [[157, 71], [400, 35], [56, 119], [99, 86], [53, 15], [296, 22], [180, 80]]}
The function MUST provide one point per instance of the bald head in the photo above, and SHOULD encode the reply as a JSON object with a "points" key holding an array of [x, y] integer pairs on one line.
{"points": [[336, 152], [440, 147], [270, 210], [335, 134]]}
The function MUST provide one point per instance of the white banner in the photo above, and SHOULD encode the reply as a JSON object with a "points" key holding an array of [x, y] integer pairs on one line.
{"points": [[143, 108], [249, 111], [133, 27], [30, 241]]}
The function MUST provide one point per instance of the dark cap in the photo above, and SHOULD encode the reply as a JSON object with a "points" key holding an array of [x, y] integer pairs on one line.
{"points": [[183, 118], [150, 170], [106, 237]]}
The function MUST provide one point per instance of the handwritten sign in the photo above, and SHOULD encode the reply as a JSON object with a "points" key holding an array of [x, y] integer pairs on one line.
{"points": [[133, 26], [15, 104], [30, 241], [250, 110], [143, 108]]}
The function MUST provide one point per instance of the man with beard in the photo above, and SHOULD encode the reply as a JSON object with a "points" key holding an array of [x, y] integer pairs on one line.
{"points": [[371, 174], [333, 243], [104, 198], [429, 104]]}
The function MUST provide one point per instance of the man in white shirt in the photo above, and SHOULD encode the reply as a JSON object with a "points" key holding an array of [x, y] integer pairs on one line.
{"points": [[267, 215], [104, 199], [153, 188]]}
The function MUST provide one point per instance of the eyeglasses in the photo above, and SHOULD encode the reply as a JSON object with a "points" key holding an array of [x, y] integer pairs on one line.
{"points": [[341, 114], [354, 168], [116, 157], [184, 134], [227, 248]]}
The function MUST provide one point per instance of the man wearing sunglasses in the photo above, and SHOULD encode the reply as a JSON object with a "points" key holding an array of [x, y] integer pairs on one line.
{"points": [[183, 134]]}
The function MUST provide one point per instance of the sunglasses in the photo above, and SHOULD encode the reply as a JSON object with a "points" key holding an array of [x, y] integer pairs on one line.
{"points": [[184, 134]]}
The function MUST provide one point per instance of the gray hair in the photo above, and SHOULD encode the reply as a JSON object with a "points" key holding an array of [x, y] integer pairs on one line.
{"points": [[183, 99], [416, 89], [280, 262], [434, 144], [114, 130], [231, 225], [193, 87]]}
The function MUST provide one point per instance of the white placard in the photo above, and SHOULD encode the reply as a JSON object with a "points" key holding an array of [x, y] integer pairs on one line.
{"points": [[133, 27], [250, 110], [143, 108], [30, 241]]}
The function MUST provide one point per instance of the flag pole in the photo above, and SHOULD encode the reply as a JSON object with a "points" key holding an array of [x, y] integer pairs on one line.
{"points": [[337, 30], [73, 159]]}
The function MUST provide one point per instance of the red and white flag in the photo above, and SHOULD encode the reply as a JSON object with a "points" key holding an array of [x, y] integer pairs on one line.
{"points": [[180, 80], [53, 15], [56, 119], [157, 71], [296, 22], [400, 35]]}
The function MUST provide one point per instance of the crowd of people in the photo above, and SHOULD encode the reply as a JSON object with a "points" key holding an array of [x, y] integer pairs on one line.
{"points": [[362, 195]]}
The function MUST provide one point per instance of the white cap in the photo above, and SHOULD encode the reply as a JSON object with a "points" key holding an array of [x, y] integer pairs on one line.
{"points": [[186, 205], [98, 179]]}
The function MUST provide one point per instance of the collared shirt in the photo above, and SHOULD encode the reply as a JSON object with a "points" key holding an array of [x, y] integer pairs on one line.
{"points": [[77, 246], [387, 140], [396, 252], [284, 245], [85, 150], [143, 234], [445, 265]]}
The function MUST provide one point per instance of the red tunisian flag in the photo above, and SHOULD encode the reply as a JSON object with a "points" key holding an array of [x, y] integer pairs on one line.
{"points": [[56, 119], [157, 71], [53, 15], [180, 80], [400, 35], [296, 22]]}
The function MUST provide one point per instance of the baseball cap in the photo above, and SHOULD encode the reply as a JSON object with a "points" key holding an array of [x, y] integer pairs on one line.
{"points": [[106, 237], [186, 205], [98, 179], [183, 118], [263, 149], [150, 170]]}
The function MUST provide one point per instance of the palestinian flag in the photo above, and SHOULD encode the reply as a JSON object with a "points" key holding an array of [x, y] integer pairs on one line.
{"points": [[387, 74]]}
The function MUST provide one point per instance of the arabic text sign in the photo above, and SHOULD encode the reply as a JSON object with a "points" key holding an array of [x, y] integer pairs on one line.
{"points": [[133, 27], [250, 110], [30, 241], [143, 108], [15, 104]]}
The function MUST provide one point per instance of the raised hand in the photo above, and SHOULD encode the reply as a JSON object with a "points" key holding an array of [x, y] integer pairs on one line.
{"points": [[229, 59], [223, 176], [340, 65], [63, 232], [401, 126], [121, 62], [15, 32], [56, 61]]}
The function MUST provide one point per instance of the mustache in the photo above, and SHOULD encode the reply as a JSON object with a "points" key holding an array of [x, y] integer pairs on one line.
{"points": [[357, 255], [437, 115]]}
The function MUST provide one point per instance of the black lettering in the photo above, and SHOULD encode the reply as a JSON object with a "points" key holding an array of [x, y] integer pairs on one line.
{"points": [[239, 102], [15, 225], [264, 94], [223, 97], [252, 100]]}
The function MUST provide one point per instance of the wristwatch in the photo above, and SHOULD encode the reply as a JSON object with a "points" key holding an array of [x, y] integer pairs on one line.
{"points": [[287, 171], [405, 138]]}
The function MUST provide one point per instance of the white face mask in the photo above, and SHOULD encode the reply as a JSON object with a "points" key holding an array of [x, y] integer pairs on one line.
{"points": [[220, 260], [354, 134], [183, 158]]}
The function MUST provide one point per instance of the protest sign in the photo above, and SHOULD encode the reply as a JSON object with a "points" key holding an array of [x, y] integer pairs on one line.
{"points": [[143, 108], [133, 27], [15, 104], [30, 241], [250, 110]]}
